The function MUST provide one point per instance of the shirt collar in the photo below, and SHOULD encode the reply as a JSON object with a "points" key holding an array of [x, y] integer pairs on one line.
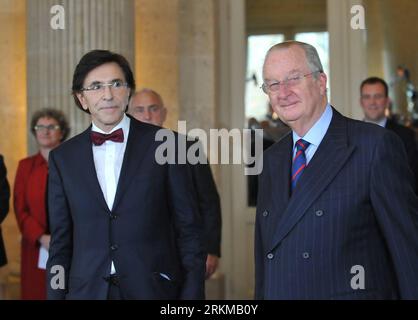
{"points": [[124, 124], [381, 123], [315, 134]]}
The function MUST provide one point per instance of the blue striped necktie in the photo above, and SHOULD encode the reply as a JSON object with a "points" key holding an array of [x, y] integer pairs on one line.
{"points": [[299, 161]]}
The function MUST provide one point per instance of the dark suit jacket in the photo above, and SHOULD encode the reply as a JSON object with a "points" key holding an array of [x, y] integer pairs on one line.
{"points": [[209, 207], [407, 136], [153, 228], [208, 202], [354, 205], [4, 207]]}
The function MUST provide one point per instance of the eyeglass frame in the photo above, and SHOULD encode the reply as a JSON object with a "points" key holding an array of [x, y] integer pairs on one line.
{"points": [[285, 82], [110, 84], [50, 127]]}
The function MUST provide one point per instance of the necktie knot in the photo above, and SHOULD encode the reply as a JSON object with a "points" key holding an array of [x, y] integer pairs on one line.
{"points": [[302, 145], [99, 138]]}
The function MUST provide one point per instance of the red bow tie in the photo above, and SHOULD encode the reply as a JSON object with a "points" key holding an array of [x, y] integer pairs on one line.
{"points": [[99, 138]]}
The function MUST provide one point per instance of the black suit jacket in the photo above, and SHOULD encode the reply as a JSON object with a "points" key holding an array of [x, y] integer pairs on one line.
{"points": [[4, 206], [354, 207], [407, 136], [209, 207], [152, 234]]}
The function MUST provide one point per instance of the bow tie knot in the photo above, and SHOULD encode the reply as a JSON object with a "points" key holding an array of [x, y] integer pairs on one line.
{"points": [[99, 138]]}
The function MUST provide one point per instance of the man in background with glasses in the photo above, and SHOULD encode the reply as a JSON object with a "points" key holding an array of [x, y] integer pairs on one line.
{"points": [[122, 226], [374, 100], [336, 215]]}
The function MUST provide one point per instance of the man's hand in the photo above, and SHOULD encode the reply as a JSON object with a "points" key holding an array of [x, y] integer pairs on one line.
{"points": [[44, 241], [212, 262]]}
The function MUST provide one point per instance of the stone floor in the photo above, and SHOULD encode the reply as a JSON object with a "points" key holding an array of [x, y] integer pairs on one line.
{"points": [[10, 287]]}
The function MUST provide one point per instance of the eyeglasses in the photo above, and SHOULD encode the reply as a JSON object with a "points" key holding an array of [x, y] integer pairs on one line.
{"points": [[100, 87], [40, 127], [288, 82]]}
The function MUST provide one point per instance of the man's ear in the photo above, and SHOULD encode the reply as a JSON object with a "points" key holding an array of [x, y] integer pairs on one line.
{"points": [[82, 100], [323, 82]]}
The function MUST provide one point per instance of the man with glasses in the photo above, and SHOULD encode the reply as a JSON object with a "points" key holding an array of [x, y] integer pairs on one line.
{"points": [[375, 101], [122, 225], [147, 105], [336, 211]]}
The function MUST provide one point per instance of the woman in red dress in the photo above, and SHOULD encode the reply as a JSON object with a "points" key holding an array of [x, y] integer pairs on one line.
{"points": [[50, 128]]}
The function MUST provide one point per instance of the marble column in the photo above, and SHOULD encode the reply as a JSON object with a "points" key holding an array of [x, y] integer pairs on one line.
{"points": [[197, 64], [52, 54], [347, 57], [156, 52]]}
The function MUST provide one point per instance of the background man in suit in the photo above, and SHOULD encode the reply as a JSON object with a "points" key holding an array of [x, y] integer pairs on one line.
{"points": [[375, 101], [336, 214], [4, 207], [122, 225], [147, 105]]}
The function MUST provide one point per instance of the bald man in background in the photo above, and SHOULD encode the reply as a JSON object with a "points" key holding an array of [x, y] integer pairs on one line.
{"points": [[147, 106]]}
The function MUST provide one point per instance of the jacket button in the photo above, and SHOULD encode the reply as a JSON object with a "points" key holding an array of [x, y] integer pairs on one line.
{"points": [[305, 255], [113, 216], [319, 213], [265, 213], [114, 247], [270, 256]]}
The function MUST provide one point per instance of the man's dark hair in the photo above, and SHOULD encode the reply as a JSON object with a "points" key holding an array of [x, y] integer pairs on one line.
{"points": [[94, 59], [375, 80], [55, 114]]}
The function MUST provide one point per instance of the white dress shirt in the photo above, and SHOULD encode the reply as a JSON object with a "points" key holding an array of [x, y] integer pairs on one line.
{"points": [[108, 159]]}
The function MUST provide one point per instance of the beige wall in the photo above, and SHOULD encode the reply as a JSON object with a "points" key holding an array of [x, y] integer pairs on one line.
{"points": [[12, 108], [156, 51], [175, 54], [375, 37], [285, 16]]}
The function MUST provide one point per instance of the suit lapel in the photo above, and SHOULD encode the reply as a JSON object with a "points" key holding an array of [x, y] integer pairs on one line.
{"points": [[88, 169], [136, 149], [329, 158], [280, 181]]}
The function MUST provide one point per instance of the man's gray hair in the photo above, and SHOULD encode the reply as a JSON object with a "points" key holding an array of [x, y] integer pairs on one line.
{"points": [[312, 57]]}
